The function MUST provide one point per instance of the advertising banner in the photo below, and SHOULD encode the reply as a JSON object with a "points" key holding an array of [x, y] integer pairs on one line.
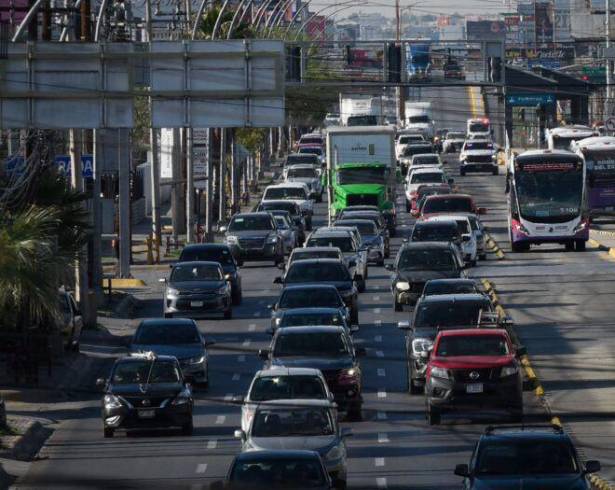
{"points": [[485, 30]]}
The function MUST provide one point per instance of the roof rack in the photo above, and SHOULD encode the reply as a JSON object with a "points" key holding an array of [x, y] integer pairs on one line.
{"points": [[490, 429]]}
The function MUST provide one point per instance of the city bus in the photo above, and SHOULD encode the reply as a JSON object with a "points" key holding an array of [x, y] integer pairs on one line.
{"points": [[598, 154], [546, 196], [561, 137]]}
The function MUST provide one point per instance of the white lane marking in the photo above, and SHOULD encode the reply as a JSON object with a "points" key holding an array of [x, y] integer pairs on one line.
{"points": [[381, 372], [378, 323], [212, 444], [379, 353], [379, 461], [228, 397], [257, 314], [220, 419], [201, 468], [383, 438], [246, 343], [378, 338], [377, 311], [382, 394], [381, 415], [252, 327], [236, 377], [381, 482], [376, 298], [241, 358]]}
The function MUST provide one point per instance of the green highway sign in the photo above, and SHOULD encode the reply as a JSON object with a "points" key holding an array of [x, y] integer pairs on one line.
{"points": [[529, 100]]}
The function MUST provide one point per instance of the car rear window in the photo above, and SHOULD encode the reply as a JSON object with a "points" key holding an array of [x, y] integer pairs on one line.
{"points": [[217, 254], [344, 243], [285, 193], [317, 272], [316, 254], [472, 345], [448, 205], [196, 272], [441, 232], [303, 298], [425, 178], [448, 288], [287, 387], [248, 223], [277, 473], [309, 319], [171, 334], [453, 314]]}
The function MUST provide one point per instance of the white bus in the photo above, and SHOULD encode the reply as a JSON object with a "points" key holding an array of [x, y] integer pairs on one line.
{"points": [[598, 153], [561, 137]]}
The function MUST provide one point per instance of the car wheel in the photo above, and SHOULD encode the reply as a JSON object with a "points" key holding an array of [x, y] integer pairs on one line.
{"points": [[387, 252], [496, 171], [341, 484], [76, 347], [361, 285], [355, 413], [519, 247], [108, 432], [413, 389], [408, 206], [580, 245], [482, 256], [462, 172], [397, 306], [188, 428], [278, 260], [168, 315], [228, 313], [516, 415], [433, 415], [569, 246], [354, 316], [380, 263], [237, 297], [308, 224]]}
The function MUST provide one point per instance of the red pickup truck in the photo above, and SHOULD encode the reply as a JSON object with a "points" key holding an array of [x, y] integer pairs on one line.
{"points": [[471, 368]]}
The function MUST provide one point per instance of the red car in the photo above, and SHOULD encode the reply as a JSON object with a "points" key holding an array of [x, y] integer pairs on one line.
{"points": [[450, 204], [424, 191], [472, 368]]}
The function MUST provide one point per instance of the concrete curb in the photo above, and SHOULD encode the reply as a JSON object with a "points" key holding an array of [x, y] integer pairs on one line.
{"points": [[539, 391], [127, 306]]}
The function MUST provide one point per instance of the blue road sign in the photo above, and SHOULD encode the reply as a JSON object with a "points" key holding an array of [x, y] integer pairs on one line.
{"points": [[87, 165], [529, 100], [63, 163]]}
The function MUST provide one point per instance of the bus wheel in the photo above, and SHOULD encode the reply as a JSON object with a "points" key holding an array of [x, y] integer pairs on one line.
{"points": [[569, 246], [580, 245], [520, 247]]}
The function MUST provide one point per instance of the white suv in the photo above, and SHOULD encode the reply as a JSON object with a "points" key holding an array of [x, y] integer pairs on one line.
{"points": [[297, 192]]}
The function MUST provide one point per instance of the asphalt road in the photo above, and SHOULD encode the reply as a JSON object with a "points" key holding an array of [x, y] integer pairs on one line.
{"points": [[561, 302]]}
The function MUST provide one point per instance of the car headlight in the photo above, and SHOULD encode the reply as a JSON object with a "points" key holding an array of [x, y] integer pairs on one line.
{"points": [[421, 345], [403, 286], [336, 452], [196, 360], [272, 239], [231, 239], [172, 292], [223, 289], [351, 372], [509, 371], [277, 322], [183, 397], [112, 401], [439, 372]]}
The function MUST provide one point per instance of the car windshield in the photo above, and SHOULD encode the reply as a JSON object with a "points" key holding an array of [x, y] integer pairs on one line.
{"points": [[365, 227], [281, 223], [299, 173], [311, 344], [141, 372], [525, 457], [317, 272], [291, 207], [426, 178], [312, 150], [308, 421], [418, 119], [448, 205], [308, 297], [478, 127], [433, 190], [427, 259], [417, 149], [196, 272], [315, 254], [285, 193], [217, 254], [362, 121], [302, 158], [363, 175], [474, 223], [426, 160], [287, 387], [170, 334], [249, 223], [277, 473], [344, 243], [479, 145], [472, 345], [463, 225], [449, 314], [436, 287], [440, 232], [310, 140], [308, 319]]}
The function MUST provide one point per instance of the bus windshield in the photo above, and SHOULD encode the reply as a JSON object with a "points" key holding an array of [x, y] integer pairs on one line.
{"points": [[363, 175], [563, 142], [549, 192]]}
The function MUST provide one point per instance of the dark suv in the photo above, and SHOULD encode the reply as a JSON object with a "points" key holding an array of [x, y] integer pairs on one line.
{"points": [[472, 368], [216, 252], [418, 262], [327, 348], [254, 236], [431, 314], [530, 456]]}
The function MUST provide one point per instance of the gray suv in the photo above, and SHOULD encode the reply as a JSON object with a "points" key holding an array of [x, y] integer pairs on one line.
{"points": [[254, 236]]}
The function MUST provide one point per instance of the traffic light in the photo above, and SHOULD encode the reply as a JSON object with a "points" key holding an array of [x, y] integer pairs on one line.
{"points": [[495, 69], [394, 65]]}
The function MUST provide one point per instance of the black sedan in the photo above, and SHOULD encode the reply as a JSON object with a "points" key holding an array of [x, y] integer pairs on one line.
{"points": [[146, 391], [216, 252], [329, 349], [177, 337], [196, 289], [325, 271]]}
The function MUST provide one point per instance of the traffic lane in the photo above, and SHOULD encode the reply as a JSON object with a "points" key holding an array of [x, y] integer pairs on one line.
{"points": [[562, 305], [451, 106]]}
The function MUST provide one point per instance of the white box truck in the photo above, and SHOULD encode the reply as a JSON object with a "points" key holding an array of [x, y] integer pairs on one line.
{"points": [[419, 118], [360, 110]]}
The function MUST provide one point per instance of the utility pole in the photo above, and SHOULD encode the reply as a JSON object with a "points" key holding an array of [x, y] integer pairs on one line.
{"points": [[123, 163], [209, 197], [609, 64], [222, 175], [189, 187], [400, 95]]}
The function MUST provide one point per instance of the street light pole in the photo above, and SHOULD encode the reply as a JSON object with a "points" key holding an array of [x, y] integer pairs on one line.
{"points": [[609, 65]]}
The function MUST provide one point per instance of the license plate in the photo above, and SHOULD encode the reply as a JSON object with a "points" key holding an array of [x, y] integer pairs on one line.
{"points": [[196, 304], [474, 388], [147, 414]]}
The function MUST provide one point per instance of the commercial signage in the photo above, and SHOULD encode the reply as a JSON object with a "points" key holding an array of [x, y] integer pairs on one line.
{"points": [[485, 30], [529, 100], [544, 22], [87, 165]]}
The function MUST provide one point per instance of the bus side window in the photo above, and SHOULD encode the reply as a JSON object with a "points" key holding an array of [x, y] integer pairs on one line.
{"points": [[514, 208]]}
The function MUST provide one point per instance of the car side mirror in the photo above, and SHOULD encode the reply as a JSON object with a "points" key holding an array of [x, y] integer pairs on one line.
{"points": [[592, 466], [360, 352], [482, 210], [521, 351], [222, 229], [403, 325], [462, 470], [101, 382], [389, 267], [238, 399], [162, 280], [263, 354], [277, 280], [239, 434]]}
